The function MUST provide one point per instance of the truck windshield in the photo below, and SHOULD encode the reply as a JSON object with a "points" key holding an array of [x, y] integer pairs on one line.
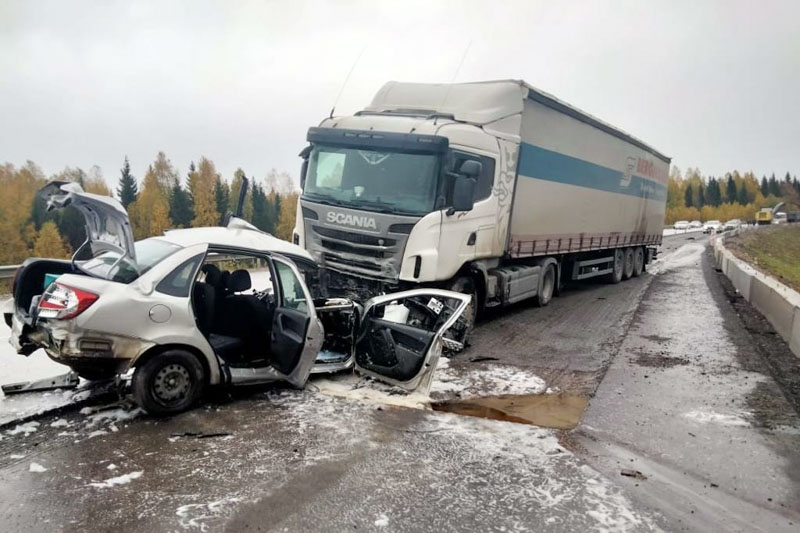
{"points": [[388, 181]]}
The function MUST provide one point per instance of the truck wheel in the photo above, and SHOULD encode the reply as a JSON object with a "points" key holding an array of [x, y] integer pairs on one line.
{"points": [[168, 383], [462, 329], [627, 272], [547, 288], [638, 262], [619, 266]]}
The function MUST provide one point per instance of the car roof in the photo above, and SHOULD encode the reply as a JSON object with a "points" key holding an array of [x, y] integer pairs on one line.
{"points": [[250, 239]]}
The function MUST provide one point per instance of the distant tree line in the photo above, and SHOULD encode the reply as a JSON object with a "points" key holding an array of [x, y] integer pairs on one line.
{"points": [[160, 201], [692, 196]]}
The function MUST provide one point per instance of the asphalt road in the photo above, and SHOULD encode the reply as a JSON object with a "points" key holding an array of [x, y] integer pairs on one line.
{"points": [[678, 388]]}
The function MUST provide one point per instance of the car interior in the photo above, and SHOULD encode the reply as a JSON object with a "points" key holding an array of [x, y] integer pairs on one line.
{"points": [[235, 318]]}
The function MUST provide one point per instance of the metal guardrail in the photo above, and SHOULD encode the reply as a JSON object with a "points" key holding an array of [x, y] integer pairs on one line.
{"points": [[8, 271]]}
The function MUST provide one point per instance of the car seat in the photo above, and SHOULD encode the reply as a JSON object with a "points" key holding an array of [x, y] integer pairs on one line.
{"points": [[246, 317]]}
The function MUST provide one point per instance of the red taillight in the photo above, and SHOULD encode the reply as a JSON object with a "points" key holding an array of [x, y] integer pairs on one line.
{"points": [[62, 302]]}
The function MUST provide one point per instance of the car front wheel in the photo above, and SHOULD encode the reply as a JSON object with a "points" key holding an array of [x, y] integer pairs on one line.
{"points": [[168, 383]]}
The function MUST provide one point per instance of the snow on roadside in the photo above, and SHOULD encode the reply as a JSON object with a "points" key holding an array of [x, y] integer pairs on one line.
{"points": [[124, 479], [711, 417], [36, 468], [484, 380], [27, 428], [194, 515]]}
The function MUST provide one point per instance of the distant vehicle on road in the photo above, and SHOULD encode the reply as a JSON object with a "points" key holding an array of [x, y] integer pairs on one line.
{"points": [[712, 225], [168, 308], [764, 216], [732, 224], [695, 224], [780, 218], [681, 225]]}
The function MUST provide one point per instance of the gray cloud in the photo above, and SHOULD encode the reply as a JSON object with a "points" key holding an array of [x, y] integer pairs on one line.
{"points": [[713, 84]]}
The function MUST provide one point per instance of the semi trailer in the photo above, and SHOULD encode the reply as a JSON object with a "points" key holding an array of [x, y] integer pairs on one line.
{"points": [[495, 189]]}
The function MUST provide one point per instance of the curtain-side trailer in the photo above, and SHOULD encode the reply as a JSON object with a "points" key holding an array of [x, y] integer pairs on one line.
{"points": [[495, 189]]}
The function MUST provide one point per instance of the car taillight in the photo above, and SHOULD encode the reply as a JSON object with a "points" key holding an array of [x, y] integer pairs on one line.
{"points": [[62, 302]]}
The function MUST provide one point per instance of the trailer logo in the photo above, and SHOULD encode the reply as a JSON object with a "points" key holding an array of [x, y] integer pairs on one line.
{"points": [[630, 165], [352, 220]]}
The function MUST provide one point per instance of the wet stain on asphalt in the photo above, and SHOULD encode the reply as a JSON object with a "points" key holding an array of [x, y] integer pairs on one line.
{"points": [[557, 411]]}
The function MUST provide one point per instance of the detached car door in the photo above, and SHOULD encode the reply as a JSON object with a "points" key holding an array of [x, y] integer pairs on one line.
{"points": [[401, 335]]}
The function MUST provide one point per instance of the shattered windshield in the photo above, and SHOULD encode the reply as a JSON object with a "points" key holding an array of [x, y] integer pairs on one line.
{"points": [[388, 181], [149, 252]]}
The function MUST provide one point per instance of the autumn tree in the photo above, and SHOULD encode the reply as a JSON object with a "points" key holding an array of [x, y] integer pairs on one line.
{"points": [[49, 243], [286, 220], [19, 188], [149, 214], [128, 189], [202, 184]]}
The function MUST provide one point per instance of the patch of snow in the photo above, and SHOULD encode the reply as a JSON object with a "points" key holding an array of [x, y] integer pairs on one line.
{"points": [[685, 256], [112, 466], [86, 411], [124, 479], [60, 423], [26, 428], [382, 521], [36, 467], [16, 456], [195, 515], [710, 417], [353, 387], [97, 433], [488, 380], [113, 416]]}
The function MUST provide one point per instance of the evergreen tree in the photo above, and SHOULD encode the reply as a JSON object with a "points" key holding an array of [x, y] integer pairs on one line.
{"points": [[687, 196], [222, 194], [713, 193], [181, 211], [774, 186], [796, 184], [764, 187], [787, 178], [127, 190], [741, 196], [701, 196], [730, 190], [261, 209]]}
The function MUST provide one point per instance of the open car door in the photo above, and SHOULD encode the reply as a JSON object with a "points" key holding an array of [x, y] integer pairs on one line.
{"points": [[401, 335], [107, 225]]}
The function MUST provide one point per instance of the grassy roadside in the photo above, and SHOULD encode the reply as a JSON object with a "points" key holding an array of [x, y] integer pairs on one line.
{"points": [[773, 249]]}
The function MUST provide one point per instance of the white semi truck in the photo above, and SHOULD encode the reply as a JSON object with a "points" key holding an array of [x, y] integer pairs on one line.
{"points": [[495, 189]]}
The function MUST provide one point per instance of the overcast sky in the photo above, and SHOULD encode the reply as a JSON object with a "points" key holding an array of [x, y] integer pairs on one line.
{"points": [[714, 84]]}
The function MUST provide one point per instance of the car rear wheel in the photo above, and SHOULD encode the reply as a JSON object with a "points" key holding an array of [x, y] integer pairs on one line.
{"points": [[638, 262], [168, 383], [547, 288]]}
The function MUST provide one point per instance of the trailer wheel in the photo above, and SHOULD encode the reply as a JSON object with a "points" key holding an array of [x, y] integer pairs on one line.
{"points": [[168, 383], [619, 265], [547, 287], [627, 272], [638, 262]]}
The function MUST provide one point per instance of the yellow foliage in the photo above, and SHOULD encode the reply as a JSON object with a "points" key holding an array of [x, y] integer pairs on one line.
{"points": [[18, 190], [286, 220], [149, 214], [49, 243], [201, 184]]}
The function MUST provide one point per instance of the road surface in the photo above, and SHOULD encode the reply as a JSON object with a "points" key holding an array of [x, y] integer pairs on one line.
{"points": [[667, 378]]}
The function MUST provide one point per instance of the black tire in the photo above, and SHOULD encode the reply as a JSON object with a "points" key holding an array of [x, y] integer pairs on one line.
{"points": [[619, 265], [627, 271], [462, 329], [638, 262], [547, 287], [168, 383]]}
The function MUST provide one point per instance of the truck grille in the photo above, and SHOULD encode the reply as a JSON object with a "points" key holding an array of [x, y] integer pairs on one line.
{"points": [[357, 238]]}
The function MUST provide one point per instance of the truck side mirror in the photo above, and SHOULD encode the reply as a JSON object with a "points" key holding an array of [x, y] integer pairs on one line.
{"points": [[471, 168], [463, 194], [304, 167]]}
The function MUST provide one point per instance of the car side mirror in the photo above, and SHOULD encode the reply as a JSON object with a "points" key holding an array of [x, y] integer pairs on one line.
{"points": [[463, 194]]}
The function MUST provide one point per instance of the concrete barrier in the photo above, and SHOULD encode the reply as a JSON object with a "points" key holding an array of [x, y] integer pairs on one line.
{"points": [[779, 304]]}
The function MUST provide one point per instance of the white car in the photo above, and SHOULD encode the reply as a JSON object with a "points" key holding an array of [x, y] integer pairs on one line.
{"points": [[732, 224], [681, 225], [211, 306], [712, 225], [695, 224]]}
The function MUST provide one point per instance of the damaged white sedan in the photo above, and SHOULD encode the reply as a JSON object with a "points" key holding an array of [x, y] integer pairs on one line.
{"points": [[204, 307]]}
